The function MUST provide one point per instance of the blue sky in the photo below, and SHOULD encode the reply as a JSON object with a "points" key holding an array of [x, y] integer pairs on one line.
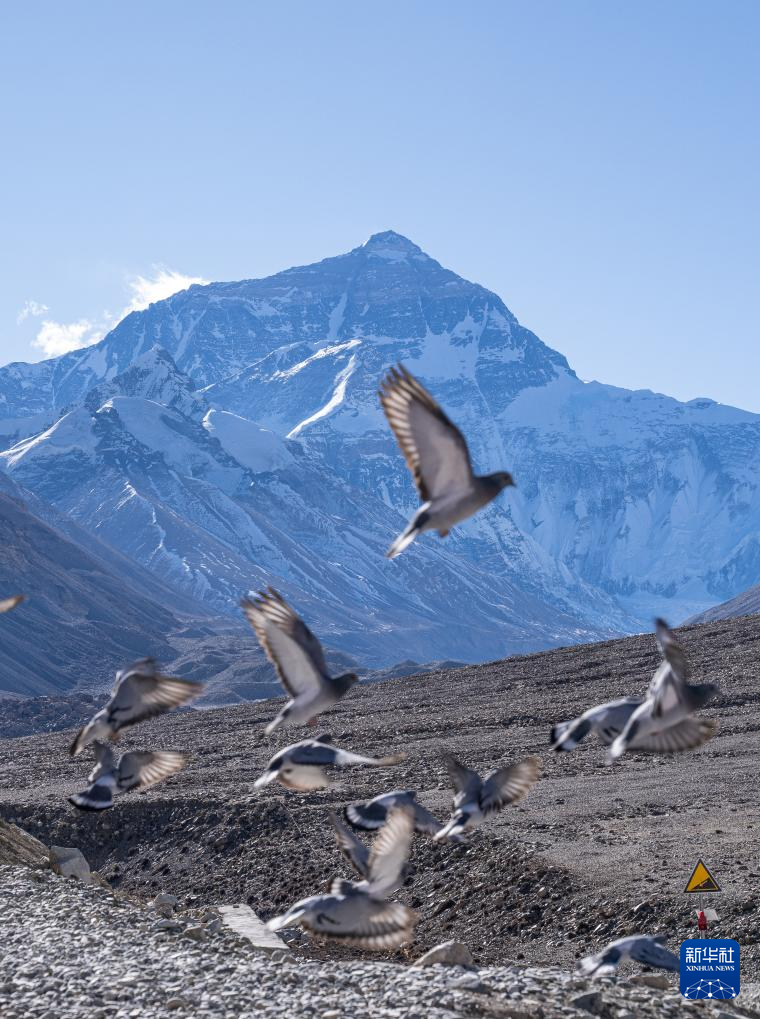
{"points": [[595, 163]]}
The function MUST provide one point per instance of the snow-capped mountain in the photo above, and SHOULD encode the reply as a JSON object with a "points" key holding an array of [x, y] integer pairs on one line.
{"points": [[231, 436]]}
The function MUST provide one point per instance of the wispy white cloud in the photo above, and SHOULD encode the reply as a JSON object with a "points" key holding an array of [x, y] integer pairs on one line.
{"points": [[164, 283], [31, 308], [56, 338]]}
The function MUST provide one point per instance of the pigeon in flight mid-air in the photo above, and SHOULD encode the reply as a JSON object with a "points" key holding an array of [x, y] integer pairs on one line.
{"points": [[437, 456], [608, 720], [642, 947], [306, 765], [6, 604], [372, 814], [136, 769], [476, 798], [356, 912], [298, 660], [662, 723], [140, 693], [357, 855]]}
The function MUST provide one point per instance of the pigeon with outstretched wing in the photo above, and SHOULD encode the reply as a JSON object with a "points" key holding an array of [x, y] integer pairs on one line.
{"points": [[642, 947], [141, 692], [137, 769], [476, 798], [309, 764], [357, 913], [298, 660], [436, 453]]}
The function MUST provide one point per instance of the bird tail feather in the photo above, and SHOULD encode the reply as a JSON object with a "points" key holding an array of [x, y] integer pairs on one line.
{"points": [[403, 541]]}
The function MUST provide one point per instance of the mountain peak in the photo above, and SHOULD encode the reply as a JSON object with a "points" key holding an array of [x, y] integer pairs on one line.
{"points": [[392, 246]]}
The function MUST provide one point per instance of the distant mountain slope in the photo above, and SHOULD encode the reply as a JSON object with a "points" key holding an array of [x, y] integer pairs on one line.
{"points": [[231, 435], [744, 604], [88, 611]]}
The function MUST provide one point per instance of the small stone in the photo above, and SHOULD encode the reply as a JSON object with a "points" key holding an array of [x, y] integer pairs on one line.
{"points": [[70, 862], [590, 1001], [472, 983], [196, 933], [164, 899], [448, 953], [656, 980], [167, 925], [173, 1003]]}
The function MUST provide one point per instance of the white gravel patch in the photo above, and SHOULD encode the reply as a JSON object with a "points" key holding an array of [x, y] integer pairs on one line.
{"points": [[74, 952]]}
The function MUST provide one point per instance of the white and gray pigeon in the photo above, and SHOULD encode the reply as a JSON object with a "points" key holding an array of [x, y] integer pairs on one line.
{"points": [[307, 765], [476, 798], [372, 814], [644, 948], [659, 723], [136, 769], [6, 604], [298, 660], [140, 692], [663, 722], [436, 453], [356, 913], [357, 855]]}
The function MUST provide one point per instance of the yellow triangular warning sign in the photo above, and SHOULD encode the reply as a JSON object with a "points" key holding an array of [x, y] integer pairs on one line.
{"points": [[701, 880]]}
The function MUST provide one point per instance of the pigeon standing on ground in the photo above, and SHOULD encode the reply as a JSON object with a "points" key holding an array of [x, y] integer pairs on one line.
{"points": [[642, 947], [662, 723], [356, 913], [136, 769], [437, 455], [140, 693], [306, 765], [476, 798], [298, 660], [6, 604], [372, 814]]}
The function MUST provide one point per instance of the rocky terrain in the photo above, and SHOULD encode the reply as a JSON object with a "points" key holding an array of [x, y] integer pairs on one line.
{"points": [[72, 951], [595, 852]]}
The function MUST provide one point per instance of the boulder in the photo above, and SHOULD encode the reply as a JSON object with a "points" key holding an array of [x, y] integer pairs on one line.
{"points": [[70, 862], [448, 953], [19, 848]]}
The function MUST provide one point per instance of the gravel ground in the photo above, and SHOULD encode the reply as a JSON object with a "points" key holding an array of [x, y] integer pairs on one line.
{"points": [[72, 951], [595, 852]]}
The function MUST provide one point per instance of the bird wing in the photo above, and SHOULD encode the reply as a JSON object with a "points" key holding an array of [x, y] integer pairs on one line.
{"points": [[672, 651], [288, 642], [142, 768], [352, 849], [105, 760], [509, 785], [684, 735], [6, 604], [434, 449], [462, 779], [424, 821], [361, 921], [390, 851], [652, 953], [141, 693]]}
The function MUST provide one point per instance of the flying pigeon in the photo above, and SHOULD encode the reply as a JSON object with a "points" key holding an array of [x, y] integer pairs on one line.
{"points": [[662, 723], [6, 604], [140, 693], [641, 947], [475, 799], [304, 766], [608, 720], [437, 455], [137, 769], [298, 660], [373, 813], [356, 913]]}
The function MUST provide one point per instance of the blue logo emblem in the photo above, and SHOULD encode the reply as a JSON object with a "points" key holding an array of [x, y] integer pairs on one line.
{"points": [[710, 968]]}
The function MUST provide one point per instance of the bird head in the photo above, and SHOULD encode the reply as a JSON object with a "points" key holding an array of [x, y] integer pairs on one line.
{"points": [[502, 479], [345, 682]]}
